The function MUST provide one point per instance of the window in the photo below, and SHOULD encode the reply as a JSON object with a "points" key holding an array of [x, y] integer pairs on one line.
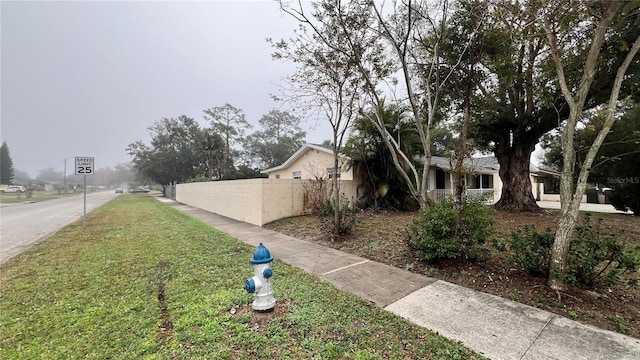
{"points": [[330, 173], [487, 181], [297, 175]]}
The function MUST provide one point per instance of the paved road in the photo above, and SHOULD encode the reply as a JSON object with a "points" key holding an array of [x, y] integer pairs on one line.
{"points": [[23, 225], [603, 208]]}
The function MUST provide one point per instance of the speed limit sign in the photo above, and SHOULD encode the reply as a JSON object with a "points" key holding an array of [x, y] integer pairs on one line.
{"points": [[84, 165]]}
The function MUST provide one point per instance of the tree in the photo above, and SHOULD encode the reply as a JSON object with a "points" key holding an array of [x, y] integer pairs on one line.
{"points": [[279, 138], [390, 44], [384, 186], [594, 19], [467, 26], [517, 106], [175, 152], [230, 123], [326, 82], [7, 171], [213, 149]]}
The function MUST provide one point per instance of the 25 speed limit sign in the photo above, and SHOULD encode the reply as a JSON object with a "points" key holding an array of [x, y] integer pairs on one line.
{"points": [[84, 165]]}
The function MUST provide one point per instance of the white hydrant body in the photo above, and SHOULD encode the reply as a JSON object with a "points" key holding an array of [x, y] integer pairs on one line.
{"points": [[260, 283]]}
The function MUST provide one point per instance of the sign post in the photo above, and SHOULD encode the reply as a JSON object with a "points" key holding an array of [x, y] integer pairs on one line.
{"points": [[84, 166]]}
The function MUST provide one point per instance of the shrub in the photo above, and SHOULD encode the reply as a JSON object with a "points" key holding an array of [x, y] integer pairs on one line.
{"points": [[531, 250], [326, 214], [434, 233], [627, 197], [598, 259], [595, 258]]}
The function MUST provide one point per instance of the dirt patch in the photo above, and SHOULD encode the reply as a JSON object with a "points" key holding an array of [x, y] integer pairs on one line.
{"points": [[260, 319], [380, 236], [165, 330]]}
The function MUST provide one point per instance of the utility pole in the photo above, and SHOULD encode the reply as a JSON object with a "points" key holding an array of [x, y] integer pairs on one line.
{"points": [[64, 181]]}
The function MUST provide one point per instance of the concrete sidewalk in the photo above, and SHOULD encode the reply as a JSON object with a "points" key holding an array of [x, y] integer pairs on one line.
{"points": [[495, 327]]}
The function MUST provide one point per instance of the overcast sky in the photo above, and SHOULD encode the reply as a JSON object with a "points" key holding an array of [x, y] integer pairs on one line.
{"points": [[88, 78]]}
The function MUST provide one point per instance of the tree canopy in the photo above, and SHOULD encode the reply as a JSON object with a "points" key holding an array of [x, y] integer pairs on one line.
{"points": [[175, 152], [7, 171], [182, 151], [280, 137]]}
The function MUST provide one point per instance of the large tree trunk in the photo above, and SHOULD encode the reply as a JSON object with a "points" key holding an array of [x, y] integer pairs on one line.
{"points": [[515, 175]]}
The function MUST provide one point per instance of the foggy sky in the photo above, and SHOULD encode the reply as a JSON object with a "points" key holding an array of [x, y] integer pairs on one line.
{"points": [[89, 78]]}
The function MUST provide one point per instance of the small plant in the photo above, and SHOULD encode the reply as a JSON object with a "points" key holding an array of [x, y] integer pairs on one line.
{"points": [[409, 267], [432, 272], [539, 302], [573, 315], [455, 275], [619, 323], [586, 313], [331, 350], [512, 296], [441, 232], [482, 274]]}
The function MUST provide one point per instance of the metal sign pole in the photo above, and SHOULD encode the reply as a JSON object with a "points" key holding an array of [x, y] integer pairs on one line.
{"points": [[85, 166], [84, 217]]}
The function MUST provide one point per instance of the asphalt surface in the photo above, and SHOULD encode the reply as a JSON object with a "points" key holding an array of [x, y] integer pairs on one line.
{"points": [[602, 208], [25, 224], [498, 328]]}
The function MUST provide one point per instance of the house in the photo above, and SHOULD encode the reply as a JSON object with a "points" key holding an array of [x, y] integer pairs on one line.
{"points": [[312, 162], [482, 180], [289, 190], [545, 183], [316, 162]]}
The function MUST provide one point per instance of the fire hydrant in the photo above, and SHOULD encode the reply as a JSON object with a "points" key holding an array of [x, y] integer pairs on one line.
{"points": [[260, 283]]}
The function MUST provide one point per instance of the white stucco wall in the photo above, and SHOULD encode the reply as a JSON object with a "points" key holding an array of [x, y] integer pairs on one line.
{"points": [[255, 201]]}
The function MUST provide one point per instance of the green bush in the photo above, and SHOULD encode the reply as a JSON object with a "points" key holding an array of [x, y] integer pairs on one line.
{"points": [[531, 250], [597, 259], [627, 197], [435, 235]]}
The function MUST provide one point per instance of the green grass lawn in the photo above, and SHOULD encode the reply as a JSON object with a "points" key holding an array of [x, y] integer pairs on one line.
{"points": [[146, 281]]}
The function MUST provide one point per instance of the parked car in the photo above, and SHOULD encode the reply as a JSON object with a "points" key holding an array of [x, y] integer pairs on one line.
{"points": [[14, 189], [119, 191], [139, 189]]}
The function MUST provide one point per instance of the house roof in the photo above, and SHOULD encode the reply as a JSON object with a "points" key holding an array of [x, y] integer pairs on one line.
{"points": [[298, 154], [486, 164], [539, 171]]}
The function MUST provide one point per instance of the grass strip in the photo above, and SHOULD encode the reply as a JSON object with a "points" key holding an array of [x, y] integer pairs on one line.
{"points": [[144, 280]]}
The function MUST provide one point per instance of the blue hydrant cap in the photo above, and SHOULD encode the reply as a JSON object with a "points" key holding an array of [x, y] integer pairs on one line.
{"points": [[261, 255]]}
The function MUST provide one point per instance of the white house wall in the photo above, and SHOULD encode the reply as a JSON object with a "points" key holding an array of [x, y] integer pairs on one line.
{"points": [[312, 164]]}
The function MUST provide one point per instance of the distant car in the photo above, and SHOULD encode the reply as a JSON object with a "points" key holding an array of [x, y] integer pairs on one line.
{"points": [[119, 191], [139, 190], [14, 189]]}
